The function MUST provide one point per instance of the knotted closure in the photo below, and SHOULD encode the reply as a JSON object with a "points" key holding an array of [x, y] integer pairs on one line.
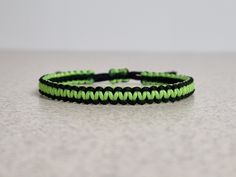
{"points": [[118, 75]]}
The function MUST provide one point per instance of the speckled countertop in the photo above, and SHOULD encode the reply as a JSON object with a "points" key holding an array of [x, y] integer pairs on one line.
{"points": [[44, 138]]}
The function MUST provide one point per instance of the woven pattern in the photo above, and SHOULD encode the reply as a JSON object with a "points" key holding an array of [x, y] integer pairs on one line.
{"points": [[159, 87]]}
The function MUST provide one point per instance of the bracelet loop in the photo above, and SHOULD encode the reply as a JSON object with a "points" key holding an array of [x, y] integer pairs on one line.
{"points": [[158, 87]]}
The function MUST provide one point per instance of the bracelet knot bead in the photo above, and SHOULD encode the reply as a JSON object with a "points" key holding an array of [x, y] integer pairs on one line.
{"points": [[75, 86], [118, 75]]}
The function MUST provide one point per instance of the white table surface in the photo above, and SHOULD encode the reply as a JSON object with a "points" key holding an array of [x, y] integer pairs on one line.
{"points": [[44, 138]]}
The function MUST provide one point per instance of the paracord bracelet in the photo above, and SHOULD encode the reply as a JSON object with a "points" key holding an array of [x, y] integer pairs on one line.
{"points": [[159, 87]]}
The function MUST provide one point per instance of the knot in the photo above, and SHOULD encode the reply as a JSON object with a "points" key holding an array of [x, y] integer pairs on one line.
{"points": [[118, 75]]}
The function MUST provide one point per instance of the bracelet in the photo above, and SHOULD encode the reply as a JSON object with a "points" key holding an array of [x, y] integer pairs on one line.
{"points": [[157, 87]]}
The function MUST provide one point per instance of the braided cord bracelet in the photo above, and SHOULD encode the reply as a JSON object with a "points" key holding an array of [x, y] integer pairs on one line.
{"points": [[157, 87]]}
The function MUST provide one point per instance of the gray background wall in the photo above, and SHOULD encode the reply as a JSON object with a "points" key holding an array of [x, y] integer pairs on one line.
{"points": [[146, 25]]}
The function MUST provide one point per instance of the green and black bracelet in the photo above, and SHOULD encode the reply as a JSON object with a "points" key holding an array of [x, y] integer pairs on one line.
{"points": [[157, 87]]}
